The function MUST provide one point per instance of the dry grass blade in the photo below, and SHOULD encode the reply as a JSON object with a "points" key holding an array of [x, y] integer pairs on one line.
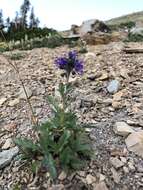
{"points": [[13, 65]]}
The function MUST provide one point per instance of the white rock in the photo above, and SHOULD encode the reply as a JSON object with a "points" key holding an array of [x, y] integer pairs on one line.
{"points": [[8, 144], [116, 176], [123, 129], [126, 170], [123, 159], [90, 179], [62, 176], [116, 162], [131, 166], [2, 100], [7, 155], [113, 86], [102, 177], [14, 102], [134, 143]]}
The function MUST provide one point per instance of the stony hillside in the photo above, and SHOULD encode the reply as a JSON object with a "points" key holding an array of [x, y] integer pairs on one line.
{"points": [[134, 17], [109, 95]]}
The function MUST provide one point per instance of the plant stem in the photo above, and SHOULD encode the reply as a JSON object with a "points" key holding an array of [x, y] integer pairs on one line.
{"points": [[33, 118]]}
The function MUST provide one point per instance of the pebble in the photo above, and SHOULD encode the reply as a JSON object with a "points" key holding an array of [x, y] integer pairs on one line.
{"points": [[113, 86]]}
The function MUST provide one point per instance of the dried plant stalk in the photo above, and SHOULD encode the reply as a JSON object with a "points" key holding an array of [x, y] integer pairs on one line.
{"points": [[13, 65]]}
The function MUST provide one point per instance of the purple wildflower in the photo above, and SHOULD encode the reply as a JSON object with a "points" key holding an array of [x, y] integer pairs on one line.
{"points": [[70, 63]]}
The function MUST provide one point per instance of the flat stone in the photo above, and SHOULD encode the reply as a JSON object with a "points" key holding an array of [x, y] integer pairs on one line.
{"points": [[7, 155], [90, 179], [122, 128], [116, 162], [101, 186], [2, 100], [113, 86], [134, 143], [104, 76], [8, 144], [14, 102], [115, 175], [57, 187], [101, 177], [22, 94]]}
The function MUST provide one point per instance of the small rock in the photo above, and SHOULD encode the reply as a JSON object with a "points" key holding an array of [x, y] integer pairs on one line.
{"points": [[62, 176], [7, 144], [57, 187], [7, 155], [10, 127], [2, 100], [101, 186], [14, 102], [113, 86], [117, 96], [116, 162], [22, 93], [124, 73], [92, 77], [140, 166], [81, 173], [123, 159], [126, 170], [134, 143], [116, 104], [104, 76], [123, 129], [90, 179], [116, 176], [101, 177], [131, 166]]}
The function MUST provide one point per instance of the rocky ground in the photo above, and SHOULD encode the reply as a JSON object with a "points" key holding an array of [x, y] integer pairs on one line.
{"points": [[108, 95]]}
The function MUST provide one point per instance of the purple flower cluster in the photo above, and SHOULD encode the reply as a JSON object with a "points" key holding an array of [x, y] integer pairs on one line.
{"points": [[70, 63]]}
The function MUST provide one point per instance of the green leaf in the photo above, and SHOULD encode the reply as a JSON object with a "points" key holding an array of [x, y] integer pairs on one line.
{"points": [[49, 161], [63, 140], [27, 145], [66, 156], [54, 106], [77, 163], [35, 166]]}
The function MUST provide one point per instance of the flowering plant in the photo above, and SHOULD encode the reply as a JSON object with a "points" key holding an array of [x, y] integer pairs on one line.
{"points": [[62, 142], [70, 63]]}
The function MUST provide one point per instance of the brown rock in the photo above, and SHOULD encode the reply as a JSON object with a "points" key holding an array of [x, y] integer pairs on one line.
{"points": [[134, 143], [123, 129], [101, 186]]}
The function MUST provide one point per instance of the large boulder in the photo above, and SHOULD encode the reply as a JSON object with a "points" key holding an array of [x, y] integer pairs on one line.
{"points": [[94, 25]]}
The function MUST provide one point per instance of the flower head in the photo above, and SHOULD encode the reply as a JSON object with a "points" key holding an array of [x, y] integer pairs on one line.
{"points": [[70, 63]]}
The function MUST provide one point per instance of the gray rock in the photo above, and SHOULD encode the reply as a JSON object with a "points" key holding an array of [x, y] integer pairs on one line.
{"points": [[116, 162], [115, 175], [7, 155], [113, 86]]}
